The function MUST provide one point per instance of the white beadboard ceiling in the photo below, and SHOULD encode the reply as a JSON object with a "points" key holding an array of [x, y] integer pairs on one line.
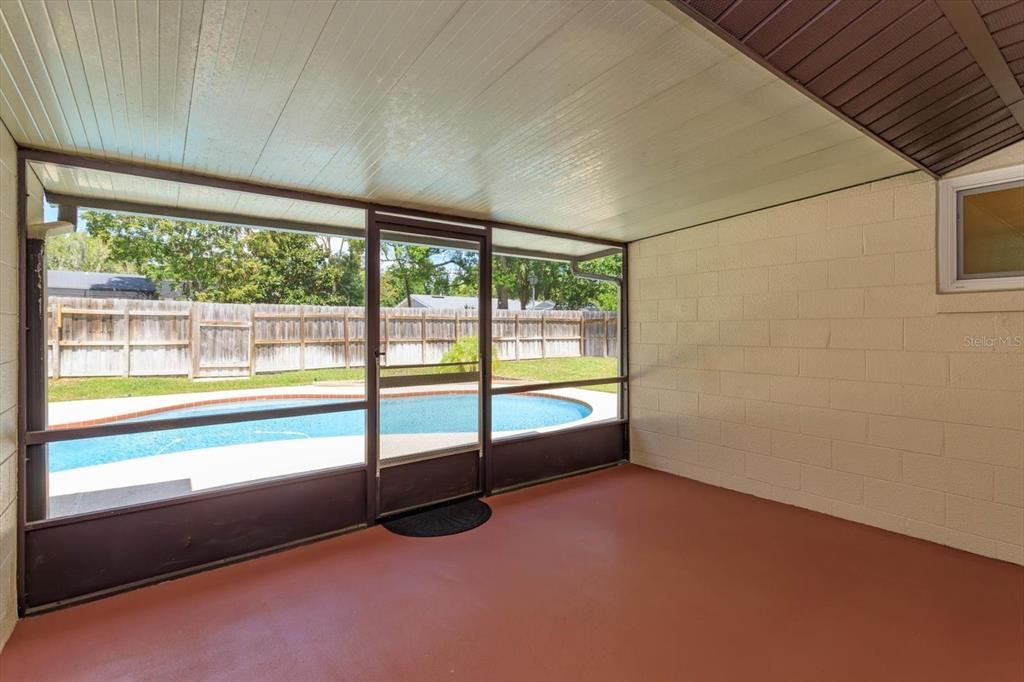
{"points": [[610, 119]]}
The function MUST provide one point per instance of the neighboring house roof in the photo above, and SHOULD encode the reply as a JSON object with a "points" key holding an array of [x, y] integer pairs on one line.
{"points": [[99, 281], [451, 302], [463, 302]]}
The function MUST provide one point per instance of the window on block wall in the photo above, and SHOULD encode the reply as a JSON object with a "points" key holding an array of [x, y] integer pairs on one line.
{"points": [[981, 231]]}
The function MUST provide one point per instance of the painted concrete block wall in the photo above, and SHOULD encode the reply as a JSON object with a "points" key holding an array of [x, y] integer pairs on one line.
{"points": [[801, 354], [8, 384]]}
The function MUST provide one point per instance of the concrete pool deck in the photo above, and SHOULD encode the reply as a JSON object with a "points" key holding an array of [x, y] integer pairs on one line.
{"points": [[159, 476]]}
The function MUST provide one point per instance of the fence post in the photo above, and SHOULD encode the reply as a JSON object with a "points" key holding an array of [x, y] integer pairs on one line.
{"points": [[515, 335], [58, 321], [344, 332], [195, 323], [423, 336], [543, 335], [607, 337], [302, 337], [582, 329], [127, 341], [252, 340]]}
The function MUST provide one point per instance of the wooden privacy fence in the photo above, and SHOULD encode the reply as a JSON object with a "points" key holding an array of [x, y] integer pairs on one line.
{"points": [[124, 337]]}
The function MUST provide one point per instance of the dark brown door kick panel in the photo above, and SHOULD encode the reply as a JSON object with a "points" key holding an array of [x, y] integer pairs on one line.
{"points": [[428, 481]]}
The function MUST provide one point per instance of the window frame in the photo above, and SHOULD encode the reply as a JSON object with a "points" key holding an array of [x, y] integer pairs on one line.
{"points": [[950, 237]]}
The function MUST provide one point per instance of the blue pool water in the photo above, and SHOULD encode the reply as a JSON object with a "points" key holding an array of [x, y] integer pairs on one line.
{"points": [[429, 414]]}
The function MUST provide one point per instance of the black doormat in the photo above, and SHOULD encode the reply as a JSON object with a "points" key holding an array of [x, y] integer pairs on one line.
{"points": [[445, 519]]}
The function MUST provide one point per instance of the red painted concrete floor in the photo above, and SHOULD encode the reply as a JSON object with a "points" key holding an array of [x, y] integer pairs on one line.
{"points": [[625, 574]]}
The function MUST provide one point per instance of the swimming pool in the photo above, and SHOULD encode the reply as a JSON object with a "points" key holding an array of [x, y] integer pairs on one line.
{"points": [[451, 413]]}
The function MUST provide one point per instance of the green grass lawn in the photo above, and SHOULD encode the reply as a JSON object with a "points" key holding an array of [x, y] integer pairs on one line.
{"points": [[553, 369], [561, 369], [122, 387]]}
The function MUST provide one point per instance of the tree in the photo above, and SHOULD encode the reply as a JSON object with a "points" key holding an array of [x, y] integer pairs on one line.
{"points": [[208, 262], [81, 252], [194, 257], [407, 269], [606, 294], [555, 282], [348, 267]]}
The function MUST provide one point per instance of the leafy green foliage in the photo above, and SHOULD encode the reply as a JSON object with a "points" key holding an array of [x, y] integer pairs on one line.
{"points": [[555, 282], [207, 262], [467, 350], [82, 252], [408, 269]]}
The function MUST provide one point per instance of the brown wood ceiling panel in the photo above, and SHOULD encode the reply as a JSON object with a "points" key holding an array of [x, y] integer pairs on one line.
{"points": [[870, 61], [1007, 36], [819, 30], [910, 64], [1014, 53], [986, 6], [712, 8], [1006, 22], [932, 102], [967, 136], [1002, 15], [791, 17], [741, 21], [898, 68], [982, 148], [968, 112], [910, 89], [848, 38]]}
